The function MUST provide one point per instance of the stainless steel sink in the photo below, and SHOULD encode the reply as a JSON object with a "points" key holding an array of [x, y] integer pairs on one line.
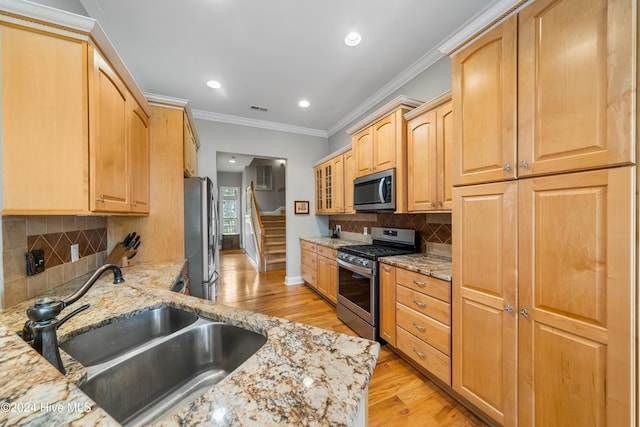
{"points": [[110, 341], [151, 381]]}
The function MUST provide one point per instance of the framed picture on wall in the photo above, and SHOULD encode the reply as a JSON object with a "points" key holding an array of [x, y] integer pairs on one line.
{"points": [[301, 207]]}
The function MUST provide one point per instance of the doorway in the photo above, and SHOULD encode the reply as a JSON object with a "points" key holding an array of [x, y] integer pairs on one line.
{"points": [[230, 218]]}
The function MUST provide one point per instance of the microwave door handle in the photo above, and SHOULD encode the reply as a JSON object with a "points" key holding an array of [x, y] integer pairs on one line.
{"points": [[381, 190]]}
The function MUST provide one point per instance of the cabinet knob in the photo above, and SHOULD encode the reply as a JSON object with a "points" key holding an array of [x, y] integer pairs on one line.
{"points": [[385, 268], [134, 203], [439, 202], [419, 304], [430, 203], [421, 355], [423, 284], [419, 327], [101, 199], [524, 313], [506, 167], [524, 164], [508, 308]]}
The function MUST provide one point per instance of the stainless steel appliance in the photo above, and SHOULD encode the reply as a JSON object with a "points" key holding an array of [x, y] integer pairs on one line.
{"points": [[200, 232], [375, 192], [358, 282]]}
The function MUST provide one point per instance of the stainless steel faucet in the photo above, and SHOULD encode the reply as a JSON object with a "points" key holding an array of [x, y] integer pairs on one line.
{"points": [[40, 329]]}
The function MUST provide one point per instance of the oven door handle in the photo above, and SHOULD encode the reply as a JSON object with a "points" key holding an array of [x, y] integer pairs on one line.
{"points": [[367, 272]]}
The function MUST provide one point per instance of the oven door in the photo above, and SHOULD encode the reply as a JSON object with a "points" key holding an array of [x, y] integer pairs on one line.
{"points": [[357, 291]]}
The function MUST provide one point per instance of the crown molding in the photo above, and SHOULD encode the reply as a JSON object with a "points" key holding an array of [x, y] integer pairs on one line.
{"points": [[426, 61], [388, 108], [262, 124], [479, 23], [47, 14]]}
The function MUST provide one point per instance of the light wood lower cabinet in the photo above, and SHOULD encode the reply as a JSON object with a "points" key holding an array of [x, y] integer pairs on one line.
{"points": [[327, 273], [415, 318], [309, 265], [388, 304], [320, 269], [546, 339], [484, 298]]}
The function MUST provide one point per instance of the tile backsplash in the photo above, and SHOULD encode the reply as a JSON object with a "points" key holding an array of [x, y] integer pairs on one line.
{"points": [[434, 229], [54, 234]]}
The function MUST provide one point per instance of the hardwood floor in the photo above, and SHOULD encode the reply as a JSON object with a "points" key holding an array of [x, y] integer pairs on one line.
{"points": [[398, 394]]}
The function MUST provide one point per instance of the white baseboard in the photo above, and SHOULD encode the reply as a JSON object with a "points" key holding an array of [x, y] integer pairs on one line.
{"points": [[296, 280]]}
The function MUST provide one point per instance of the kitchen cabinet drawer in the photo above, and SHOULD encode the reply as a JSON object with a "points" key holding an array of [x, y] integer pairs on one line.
{"points": [[308, 246], [309, 275], [425, 355], [425, 328], [436, 288], [439, 310], [309, 259], [326, 252]]}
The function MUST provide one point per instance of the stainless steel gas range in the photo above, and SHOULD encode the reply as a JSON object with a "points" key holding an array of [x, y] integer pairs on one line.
{"points": [[358, 283]]}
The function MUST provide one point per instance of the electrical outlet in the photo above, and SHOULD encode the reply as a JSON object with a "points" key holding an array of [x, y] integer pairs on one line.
{"points": [[338, 227], [75, 256], [366, 231]]}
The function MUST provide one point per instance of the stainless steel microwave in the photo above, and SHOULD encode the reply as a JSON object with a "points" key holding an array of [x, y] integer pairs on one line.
{"points": [[375, 192]]}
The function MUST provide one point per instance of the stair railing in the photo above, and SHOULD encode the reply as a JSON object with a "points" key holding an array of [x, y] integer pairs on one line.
{"points": [[257, 225]]}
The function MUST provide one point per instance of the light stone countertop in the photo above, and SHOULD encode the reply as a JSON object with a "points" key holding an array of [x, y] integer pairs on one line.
{"points": [[330, 242], [429, 265], [272, 388], [440, 268]]}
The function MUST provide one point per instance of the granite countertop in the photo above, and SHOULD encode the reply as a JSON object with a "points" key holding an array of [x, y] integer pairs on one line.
{"points": [[437, 267], [331, 242], [302, 375]]}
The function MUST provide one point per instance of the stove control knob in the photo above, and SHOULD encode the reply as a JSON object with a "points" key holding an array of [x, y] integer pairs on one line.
{"points": [[351, 258], [364, 262]]}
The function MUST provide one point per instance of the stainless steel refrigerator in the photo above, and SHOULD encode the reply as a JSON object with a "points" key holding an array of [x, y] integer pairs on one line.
{"points": [[200, 235]]}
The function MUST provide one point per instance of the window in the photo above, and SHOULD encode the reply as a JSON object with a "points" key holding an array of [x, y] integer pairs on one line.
{"points": [[263, 177], [230, 210]]}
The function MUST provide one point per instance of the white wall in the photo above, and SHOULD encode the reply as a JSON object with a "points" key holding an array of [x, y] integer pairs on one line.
{"points": [[300, 152], [426, 86]]}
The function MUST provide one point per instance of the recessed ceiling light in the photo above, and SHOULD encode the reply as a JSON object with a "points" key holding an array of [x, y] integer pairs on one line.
{"points": [[214, 84], [232, 159], [353, 39], [304, 103]]}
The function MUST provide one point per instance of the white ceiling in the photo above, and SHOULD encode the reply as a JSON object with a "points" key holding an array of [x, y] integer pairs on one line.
{"points": [[274, 53]]}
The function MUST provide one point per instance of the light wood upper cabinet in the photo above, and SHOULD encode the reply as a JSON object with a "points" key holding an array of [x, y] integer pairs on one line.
{"points": [[349, 176], [388, 304], [363, 152], [190, 150], [44, 122], [429, 145], [575, 270], [140, 161], [484, 98], [329, 186], [384, 143], [67, 115], [108, 146], [575, 85], [484, 298]]}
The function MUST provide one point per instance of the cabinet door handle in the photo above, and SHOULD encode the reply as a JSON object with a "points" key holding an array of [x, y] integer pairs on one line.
{"points": [[101, 199], [524, 313], [508, 308], [439, 203], [419, 327], [387, 269], [506, 167], [421, 355], [524, 164], [134, 203], [419, 304], [423, 284], [430, 203]]}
